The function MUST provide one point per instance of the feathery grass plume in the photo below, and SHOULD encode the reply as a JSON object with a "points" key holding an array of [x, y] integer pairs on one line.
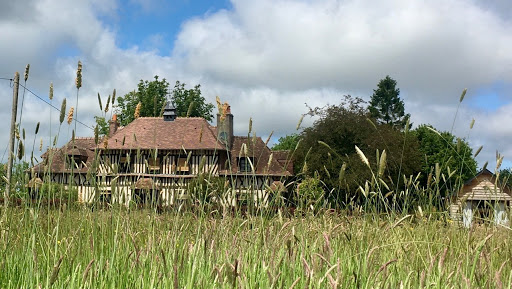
{"points": [[485, 166], [55, 271], [99, 101], [108, 102], [17, 132], [137, 110], [478, 151], [23, 133], [300, 122], [219, 105], [124, 138], [463, 94], [407, 125], [105, 143], [37, 127], [62, 111], [73, 135], [70, 115], [96, 134], [50, 96], [21, 150], [270, 160], [342, 173], [41, 145], [382, 163], [250, 125], [113, 97], [362, 156], [78, 80], [201, 133], [472, 124], [87, 269], [190, 108], [268, 139], [27, 69]]}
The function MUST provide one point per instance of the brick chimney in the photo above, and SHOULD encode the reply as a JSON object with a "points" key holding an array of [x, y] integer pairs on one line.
{"points": [[113, 125], [225, 126]]}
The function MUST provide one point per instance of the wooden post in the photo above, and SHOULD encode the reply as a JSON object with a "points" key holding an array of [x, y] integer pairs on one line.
{"points": [[11, 138]]}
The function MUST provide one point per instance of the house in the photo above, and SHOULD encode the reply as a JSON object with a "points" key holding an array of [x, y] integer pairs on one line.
{"points": [[156, 159], [481, 199]]}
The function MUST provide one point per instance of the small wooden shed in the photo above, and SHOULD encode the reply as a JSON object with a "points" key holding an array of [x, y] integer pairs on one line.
{"points": [[482, 199]]}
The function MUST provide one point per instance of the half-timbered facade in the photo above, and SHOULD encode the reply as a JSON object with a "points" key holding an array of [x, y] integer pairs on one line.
{"points": [[155, 158]]}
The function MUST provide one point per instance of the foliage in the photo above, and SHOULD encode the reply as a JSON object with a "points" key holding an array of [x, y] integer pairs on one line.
{"points": [[103, 127], [310, 194], [386, 105], [505, 176], [453, 155], [288, 142], [328, 148], [151, 94], [190, 103]]}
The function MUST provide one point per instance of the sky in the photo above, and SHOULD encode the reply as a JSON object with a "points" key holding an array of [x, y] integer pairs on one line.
{"points": [[269, 59]]}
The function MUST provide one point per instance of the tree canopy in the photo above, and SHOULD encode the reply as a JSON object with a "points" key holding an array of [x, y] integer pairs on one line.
{"points": [[189, 102], [328, 149], [386, 105], [287, 142], [453, 155], [151, 97]]}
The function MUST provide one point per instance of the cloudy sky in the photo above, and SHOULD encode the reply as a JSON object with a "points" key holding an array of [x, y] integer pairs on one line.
{"points": [[267, 58]]}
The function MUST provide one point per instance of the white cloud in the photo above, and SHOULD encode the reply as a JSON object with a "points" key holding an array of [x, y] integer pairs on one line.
{"points": [[268, 58]]}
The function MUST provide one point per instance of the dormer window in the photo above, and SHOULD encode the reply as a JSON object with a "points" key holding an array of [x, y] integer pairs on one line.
{"points": [[245, 164]]}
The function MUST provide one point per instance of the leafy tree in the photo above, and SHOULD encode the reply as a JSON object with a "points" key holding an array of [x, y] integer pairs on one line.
{"points": [[386, 105], [328, 149], [506, 177], [288, 142], [152, 95], [189, 102], [103, 126], [453, 155]]}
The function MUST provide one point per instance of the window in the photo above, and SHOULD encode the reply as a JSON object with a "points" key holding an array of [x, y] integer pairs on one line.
{"points": [[153, 164], [245, 164], [182, 166], [77, 161]]}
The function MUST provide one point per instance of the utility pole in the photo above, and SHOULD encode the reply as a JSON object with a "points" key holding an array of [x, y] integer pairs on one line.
{"points": [[11, 138]]}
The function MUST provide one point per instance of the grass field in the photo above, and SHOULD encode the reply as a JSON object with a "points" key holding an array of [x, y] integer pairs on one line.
{"points": [[117, 248]]}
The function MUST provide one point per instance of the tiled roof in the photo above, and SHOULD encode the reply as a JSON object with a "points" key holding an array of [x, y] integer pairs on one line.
{"points": [[191, 133], [258, 150], [55, 159]]}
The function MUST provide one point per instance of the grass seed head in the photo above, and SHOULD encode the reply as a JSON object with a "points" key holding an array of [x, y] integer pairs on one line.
{"points": [[463, 95], [62, 111], [106, 105], [70, 115], [362, 156], [137, 110], [27, 69], [99, 101], [41, 145], [50, 96], [78, 80]]}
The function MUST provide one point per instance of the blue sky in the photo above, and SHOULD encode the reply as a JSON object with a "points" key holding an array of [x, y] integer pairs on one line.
{"points": [[267, 58], [155, 24]]}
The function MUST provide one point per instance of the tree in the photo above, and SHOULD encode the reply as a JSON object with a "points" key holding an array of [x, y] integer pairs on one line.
{"points": [[386, 105], [288, 142], [327, 149], [190, 103], [103, 126], [453, 155], [152, 96]]}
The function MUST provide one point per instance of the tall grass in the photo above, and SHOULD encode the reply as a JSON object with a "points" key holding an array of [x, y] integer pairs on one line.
{"points": [[119, 248]]}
